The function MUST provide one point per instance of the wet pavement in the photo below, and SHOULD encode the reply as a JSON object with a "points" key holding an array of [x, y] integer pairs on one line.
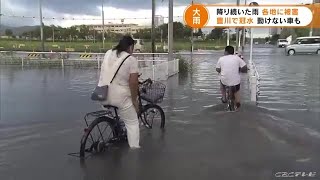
{"points": [[42, 111]]}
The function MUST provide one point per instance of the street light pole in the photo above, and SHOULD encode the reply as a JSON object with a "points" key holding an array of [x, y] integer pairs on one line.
{"points": [[244, 33], [251, 35], [94, 36], [0, 14], [170, 31], [53, 34], [228, 36], [102, 13], [41, 25], [153, 27], [238, 32], [192, 31]]}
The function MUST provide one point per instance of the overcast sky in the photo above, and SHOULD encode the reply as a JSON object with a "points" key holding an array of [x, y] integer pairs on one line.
{"points": [[91, 9]]}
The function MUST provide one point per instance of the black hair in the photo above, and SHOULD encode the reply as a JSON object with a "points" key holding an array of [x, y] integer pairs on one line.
{"points": [[229, 49], [124, 44]]}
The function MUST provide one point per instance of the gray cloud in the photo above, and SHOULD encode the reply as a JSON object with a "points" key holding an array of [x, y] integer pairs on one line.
{"points": [[91, 7], [58, 8]]}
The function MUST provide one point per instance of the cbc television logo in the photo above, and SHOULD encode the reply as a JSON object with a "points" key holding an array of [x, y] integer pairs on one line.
{"points": [[295, 174]]}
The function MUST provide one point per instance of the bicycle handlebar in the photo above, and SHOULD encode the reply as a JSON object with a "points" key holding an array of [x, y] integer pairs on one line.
{"points": [[147, 81]]}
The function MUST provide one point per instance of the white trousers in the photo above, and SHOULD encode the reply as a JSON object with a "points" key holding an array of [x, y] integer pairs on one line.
{"points": [[120, 97], [130, 119]]}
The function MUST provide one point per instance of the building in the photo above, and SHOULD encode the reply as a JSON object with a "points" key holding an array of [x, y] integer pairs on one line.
{"points": [[274, 31], [117, 28], [158, 20]]}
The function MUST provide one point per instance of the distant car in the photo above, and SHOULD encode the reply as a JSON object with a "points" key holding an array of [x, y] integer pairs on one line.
{"points": [[256, 42], [304, 45], [282, 43]]}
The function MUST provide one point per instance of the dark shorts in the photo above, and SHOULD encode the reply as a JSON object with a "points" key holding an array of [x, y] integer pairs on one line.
{"points": [[234, 89]]}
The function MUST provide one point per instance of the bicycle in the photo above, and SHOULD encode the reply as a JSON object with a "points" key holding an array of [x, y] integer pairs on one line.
{"points": [[230, 98], [149, 95]]}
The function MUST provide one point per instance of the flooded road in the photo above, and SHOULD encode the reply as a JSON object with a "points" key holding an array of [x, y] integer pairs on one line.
{"points": [[42, 121]]}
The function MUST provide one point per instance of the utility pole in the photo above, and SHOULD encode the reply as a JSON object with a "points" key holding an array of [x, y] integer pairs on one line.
{"points": [[192, 31], [41, 26], [311, 28], [238, 32], [94, 36], [0, 14], [102, 13], [153, 27], [251, 35], [170, 31], [53, 34], [244, 34], [228, 36]]}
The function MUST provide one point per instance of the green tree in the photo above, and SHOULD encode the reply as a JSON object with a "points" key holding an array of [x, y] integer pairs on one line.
{"points": [[113, 36], [187, 32], [316, 31], [233, 37], [274, 38], [143, 34], [47, 32], [8, 32], [286, 32], [300, 32], [216, 33], [72, 33], [267, 39], [198, 33], [180, 31], [83, 32], [59, 32]]}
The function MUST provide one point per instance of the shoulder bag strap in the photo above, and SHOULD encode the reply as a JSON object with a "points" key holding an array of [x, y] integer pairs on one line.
{"points": [[119, 68]]}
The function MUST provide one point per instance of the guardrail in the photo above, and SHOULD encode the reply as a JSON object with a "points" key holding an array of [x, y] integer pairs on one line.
{"points": [[153, 65], [254, 81]]}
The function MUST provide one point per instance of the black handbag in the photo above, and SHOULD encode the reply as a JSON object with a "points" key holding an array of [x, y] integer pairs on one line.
{"points": [[100, 93]]}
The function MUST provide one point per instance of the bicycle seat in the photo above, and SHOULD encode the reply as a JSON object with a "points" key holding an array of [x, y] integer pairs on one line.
{"points": [[110, 106]]}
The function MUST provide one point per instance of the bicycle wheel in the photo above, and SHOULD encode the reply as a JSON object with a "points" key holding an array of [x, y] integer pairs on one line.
{"points": [[231, 101], [153, 116], [231, 105], [97, 136]]}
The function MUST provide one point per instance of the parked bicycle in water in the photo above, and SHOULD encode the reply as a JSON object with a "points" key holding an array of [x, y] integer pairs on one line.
{"points": [[108, 126]]}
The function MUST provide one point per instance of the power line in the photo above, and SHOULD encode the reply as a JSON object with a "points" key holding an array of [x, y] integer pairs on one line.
{"points": [[83, 19]]}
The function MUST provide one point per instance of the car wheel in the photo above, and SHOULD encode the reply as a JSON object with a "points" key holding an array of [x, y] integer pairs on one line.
{"points": [[318, 52], [291, 52]]}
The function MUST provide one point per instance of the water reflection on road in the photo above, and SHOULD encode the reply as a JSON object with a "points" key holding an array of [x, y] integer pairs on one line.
{"points": [[42, 111]]}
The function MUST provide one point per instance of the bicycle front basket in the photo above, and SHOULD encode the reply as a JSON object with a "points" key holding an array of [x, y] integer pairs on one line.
{"points": [[152, 93]]}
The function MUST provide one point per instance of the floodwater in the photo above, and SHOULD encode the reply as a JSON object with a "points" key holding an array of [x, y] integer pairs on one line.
{"points": [[42, 121]]}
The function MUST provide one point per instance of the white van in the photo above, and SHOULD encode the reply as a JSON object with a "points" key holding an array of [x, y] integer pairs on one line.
{"points": [[139, 45], [283, 43], [304, 45]]}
